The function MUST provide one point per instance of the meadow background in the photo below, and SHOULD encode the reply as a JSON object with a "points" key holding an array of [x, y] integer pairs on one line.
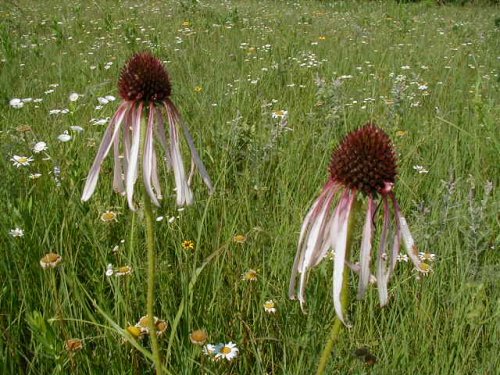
{"points": [[427, 74]]}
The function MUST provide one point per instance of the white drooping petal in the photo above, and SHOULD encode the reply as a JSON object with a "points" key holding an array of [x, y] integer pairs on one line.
{"points": [[154, 177], [300, 250], [331, 226], [340, 251], [160, 131], [133, 164], [118, 170], [184, 194], [366, 247], [408, 241], [147, 161], [301, 246], [382, 272], [314, 240], [196, 158], [107, 141], [313, 243]]}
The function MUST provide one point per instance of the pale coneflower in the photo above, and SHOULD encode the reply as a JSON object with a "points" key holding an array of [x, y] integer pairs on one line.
{"points": [[363, 164], [143, 116]]}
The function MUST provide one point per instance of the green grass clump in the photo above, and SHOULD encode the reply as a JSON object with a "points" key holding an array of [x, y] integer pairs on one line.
{"points": [[427, 74]]}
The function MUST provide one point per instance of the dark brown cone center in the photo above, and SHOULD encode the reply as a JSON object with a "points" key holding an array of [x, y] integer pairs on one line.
{"points": [[365, 161]]}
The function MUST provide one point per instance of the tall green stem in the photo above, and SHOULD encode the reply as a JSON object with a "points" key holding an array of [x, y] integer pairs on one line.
{"points": [[344, 298], [150, 243]]}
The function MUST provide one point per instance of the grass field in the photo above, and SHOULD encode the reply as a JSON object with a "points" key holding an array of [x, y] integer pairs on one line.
{"points": [[428, 75]]}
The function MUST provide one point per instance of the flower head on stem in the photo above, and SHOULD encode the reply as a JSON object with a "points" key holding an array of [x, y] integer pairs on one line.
{"points": [[145, 88], [363, 164]]}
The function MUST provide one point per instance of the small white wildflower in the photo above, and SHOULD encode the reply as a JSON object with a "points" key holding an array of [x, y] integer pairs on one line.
{"points": [[159, 218], [16, 103], [269, 307], [110, 98], [109, 270], [102, 101], [64, 137], [73, 97], [76, 128], [17, 232], [402, 258], [427, 256], [228, 351], [21, 161], [39, 147], [280, 114], [420, 169]]}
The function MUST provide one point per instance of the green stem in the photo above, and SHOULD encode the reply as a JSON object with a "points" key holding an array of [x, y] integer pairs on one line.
{"points": [[344, 298], [150, 243]]}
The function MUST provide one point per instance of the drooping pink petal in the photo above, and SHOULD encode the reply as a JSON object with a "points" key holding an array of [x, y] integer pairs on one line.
{"points": [[108, 138], [184, 194], [313, 243], [366, 247], [154, 177], [299, 256], [340, 241], [147, 160], [301, 247], [118, 170], [408, 241], [382, 274], [194, 153], [160, 131], [133, 165]]}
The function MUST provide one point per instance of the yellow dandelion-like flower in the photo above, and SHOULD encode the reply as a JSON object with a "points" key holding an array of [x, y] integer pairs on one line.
{"points": [[50, 260], [401, 133], [425, 268], [186, 24], [270, 307], [240, 238], [322, 37], [188, 245], [198, 89], [135, 331], [250, 275], [123, 270], [109, 216], [198, 337]]}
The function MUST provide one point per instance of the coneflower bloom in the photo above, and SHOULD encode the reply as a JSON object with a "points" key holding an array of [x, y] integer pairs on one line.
{"points": [[363, 164], [142, 117]]}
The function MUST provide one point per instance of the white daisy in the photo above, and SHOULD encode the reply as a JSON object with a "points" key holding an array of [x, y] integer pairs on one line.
{"points": [[228, 351], [280, 114], [426, 256], [21, 161], [76, 128], [64, 137], [269, 307], [109, 270], [16, 103], [17, 232], [39, 147], [73, 97]]}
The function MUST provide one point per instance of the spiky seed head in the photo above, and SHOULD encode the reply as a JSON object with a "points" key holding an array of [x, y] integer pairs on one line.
{"points": [[365, 161], [144, 78]]}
